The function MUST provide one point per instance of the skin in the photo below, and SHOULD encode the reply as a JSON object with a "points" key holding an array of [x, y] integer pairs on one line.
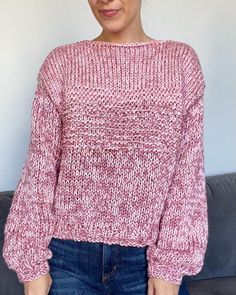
{"points": [[39, 286], [126, 27]]}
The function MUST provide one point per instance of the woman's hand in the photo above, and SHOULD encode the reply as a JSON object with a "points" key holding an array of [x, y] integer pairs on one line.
{"points": [[40, 286], [157, 286]]}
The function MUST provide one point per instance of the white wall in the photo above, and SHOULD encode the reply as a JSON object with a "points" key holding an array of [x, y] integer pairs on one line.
{"points": [[30, 29]]}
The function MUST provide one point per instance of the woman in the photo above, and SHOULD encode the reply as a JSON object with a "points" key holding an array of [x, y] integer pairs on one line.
{"points": [[112, 196]]}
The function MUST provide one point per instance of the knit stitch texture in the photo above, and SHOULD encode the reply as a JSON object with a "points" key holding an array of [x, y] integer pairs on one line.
{"points": [[115, 156]]}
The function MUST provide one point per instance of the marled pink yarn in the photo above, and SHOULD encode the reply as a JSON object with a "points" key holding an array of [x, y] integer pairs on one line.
{"points": [[115, 156]]}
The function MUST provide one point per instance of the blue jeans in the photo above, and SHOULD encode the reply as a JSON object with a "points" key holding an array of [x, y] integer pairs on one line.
{"points": [[82, 267]]}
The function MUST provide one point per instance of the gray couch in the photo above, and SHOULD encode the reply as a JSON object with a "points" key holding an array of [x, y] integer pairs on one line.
{"points": [[218, 275]]}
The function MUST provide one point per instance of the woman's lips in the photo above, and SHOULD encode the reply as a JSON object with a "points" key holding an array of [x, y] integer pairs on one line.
{"points": [[109, 12]]}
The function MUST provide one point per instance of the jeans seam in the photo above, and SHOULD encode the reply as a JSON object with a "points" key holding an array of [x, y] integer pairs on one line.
{"points": [[108, 275]]}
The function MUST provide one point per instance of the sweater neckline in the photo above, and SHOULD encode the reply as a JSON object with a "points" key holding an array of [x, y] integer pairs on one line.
{"points": [[123, 44]]}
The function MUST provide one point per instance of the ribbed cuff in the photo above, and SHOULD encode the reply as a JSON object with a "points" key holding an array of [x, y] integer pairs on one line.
{"points": [[165, 272], [25, 274]]}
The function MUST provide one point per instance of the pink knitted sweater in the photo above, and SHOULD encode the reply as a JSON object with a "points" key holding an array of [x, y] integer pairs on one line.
{"points": [[115, 156]]}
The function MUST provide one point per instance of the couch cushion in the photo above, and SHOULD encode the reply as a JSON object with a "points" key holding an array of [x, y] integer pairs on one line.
{"points": [[219, 286]]}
